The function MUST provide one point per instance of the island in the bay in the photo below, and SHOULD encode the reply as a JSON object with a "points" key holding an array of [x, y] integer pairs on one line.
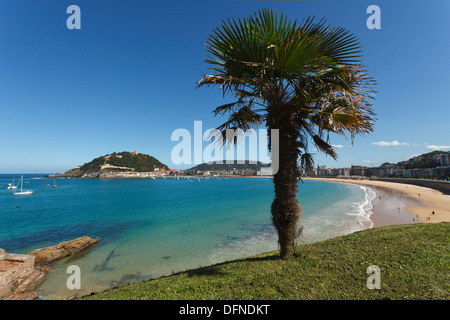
{"points": [[116, 164]]}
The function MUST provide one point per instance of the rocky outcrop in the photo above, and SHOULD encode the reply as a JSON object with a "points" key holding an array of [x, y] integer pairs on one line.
{"points": [[21, 273], [50, 254], [18, 276]]}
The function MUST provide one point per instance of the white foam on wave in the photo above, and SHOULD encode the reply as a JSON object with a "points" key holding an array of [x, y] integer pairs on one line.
{"points": [[361, 209], [366, 208]]}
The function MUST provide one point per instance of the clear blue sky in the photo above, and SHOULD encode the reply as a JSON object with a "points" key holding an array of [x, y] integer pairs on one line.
{"points": [[127, 79]]}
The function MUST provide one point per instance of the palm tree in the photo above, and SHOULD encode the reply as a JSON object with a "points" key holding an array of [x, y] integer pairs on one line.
{"points": [[305, 81]]}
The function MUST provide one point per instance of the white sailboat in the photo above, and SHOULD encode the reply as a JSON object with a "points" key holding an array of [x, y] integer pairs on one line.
{"points": [[22, 192], [11, 185]]}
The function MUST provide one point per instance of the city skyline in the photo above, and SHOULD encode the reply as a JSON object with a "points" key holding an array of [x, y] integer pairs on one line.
{"points": [[127, 79]]}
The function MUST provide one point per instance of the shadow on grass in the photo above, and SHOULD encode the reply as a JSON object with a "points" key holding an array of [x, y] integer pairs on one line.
{"points": [[265, 258], [206, 271], [218, 269]]}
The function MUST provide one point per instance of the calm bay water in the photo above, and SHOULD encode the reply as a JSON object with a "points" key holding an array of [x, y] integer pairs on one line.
{"points": [[150, 228]]}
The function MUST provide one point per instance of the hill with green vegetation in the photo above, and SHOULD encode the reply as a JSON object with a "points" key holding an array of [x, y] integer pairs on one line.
{"points": [[413, 262], [423, 161], [114, 162], [230, 167], [138, 162]]}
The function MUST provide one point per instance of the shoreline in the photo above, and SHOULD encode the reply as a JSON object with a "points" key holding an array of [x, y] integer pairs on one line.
{"points": [[398, 203]]}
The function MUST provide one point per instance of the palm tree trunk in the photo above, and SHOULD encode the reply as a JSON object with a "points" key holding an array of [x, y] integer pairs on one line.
{"points": [[286, 209]]}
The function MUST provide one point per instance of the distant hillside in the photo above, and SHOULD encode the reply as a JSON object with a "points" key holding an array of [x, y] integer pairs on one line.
{"points": [[139, 162], [230, 167], [423, 161], [115, 162]]}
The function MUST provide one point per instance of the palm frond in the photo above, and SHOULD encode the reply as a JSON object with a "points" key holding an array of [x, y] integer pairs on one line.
{"points": [[307, 161], [273, 62], [324, 146]]}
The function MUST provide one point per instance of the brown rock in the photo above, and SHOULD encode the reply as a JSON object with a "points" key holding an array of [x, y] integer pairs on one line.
{"points": [[15, 270], [64, 249], [24, 296]]}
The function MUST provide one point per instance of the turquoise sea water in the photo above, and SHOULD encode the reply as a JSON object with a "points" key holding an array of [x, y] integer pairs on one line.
{"points": [[150, 228]]}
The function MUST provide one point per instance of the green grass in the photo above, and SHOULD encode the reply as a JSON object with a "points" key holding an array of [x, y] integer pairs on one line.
{"points": [[413, 260]]}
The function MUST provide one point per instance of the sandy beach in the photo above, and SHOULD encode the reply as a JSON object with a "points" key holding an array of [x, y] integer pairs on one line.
{"points": [[398, 203]]}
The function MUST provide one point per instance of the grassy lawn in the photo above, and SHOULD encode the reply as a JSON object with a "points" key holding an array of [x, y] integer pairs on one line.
{"points": [[413, 260]]}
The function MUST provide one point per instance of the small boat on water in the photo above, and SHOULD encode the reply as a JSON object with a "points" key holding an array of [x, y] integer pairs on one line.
{"points": [[54, 184], [11, 186], [22, 192]]}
